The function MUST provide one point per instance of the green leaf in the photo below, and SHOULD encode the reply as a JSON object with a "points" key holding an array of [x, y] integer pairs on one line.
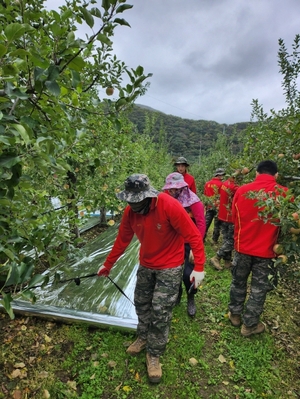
{"points": [[87, 17], [27, 294], [123, 7], [77, 64], [139, 70], [10, 70], [106, 4], [22, 132], [20, 53], [96, 12], [38, 278], [14, 31], [3, 50], [8, 160], [104, 39], [5, 302], [53, 72], [53, 87], [121, 21]]}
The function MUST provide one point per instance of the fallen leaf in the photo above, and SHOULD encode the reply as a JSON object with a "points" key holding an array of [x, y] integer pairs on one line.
{"points": [[222, 359], [47, 339], [17, 394], [92, 377], [72, 384], [43, 374], [126, 388], [225, 382], [193, 361], [46, 394], [111, 364], [19, 365]]}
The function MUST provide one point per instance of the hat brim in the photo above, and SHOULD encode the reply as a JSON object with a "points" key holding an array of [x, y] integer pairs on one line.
{"points": [[181, 163], [169, 186], [220, 174], [131, 196]]}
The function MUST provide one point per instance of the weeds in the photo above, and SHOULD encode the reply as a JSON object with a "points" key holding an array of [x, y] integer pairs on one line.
{"points": [[86, 363]]}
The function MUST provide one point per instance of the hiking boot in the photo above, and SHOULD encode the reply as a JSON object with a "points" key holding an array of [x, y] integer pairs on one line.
{"points": [[215, 262], [153, 368], [191, 307], [247, 331], [227, 264], [235, 319], [137, 346]]}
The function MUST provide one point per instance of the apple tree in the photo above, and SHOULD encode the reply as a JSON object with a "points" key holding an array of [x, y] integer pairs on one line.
{"points": [[50, 85]]}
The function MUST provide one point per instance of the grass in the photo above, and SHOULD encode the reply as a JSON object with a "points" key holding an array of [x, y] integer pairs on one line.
{"points": [[73, 361]]}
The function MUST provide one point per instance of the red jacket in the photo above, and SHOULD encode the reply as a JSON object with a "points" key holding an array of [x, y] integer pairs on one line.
{"points": [[227, 191], [252, 236], [190, 180], [212, 189], [162, 233]]}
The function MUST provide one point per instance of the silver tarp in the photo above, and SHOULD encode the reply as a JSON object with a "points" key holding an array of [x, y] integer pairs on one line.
{"points": [[96, 300]]}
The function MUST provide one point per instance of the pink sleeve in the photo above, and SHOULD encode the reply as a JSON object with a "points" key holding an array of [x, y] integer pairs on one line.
{"points": [[199, 216]]}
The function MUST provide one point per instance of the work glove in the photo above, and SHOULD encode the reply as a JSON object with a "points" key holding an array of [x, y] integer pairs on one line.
{"points": [[197, 278], [103, 271]]}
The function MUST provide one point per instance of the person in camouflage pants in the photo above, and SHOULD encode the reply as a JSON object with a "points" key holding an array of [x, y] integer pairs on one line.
{"points": [[157, 289], [162, 226], [262, 281], [254, 240]]}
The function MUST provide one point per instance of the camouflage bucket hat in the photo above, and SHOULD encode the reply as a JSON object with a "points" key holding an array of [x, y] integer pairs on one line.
{"points": [[137, 188], [181, 160], [174, 180], [220, 172]]}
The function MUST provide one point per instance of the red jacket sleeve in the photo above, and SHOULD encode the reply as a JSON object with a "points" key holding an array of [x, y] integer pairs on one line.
{"points": [[198, 214], [122, 241]]}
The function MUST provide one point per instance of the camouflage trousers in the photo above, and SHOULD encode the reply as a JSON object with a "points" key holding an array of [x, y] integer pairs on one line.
{"points": [[211, 215], [263, 271], [227, 230], [155, 296]]}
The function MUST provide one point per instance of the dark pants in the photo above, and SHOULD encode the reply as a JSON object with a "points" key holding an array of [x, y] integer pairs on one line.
{"points": [[262, 270], [211, 215], [187, 269], [225, 252], [155, 295]]}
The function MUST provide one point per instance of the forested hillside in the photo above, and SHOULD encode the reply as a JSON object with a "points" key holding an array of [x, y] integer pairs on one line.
{"points": [[187, 137]]}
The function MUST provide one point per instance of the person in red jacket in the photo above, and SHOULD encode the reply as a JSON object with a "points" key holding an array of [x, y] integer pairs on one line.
{"points": [[181, 165], [227, 191], [178, 188], [254, 240], [212, 192], [162, 226]]}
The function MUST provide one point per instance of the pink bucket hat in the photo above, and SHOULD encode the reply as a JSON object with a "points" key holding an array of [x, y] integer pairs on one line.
{"points": [[174, 180]]}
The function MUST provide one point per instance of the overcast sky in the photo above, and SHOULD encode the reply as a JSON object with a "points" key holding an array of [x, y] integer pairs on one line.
{"points": [[209, 58]]}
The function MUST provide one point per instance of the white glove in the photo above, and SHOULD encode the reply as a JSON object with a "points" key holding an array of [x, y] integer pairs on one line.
{"points": [[197, 278]]}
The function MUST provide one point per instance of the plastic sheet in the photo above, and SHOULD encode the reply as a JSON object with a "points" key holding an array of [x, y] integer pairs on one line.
{"points": [[96, 300]]}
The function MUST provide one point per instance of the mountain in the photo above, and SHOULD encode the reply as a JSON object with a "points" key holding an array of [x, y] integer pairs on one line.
{"points": [[186, 137]]}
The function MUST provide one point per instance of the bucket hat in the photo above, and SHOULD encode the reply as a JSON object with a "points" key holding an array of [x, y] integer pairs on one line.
{"points": [[137, 188], [174, 180], [220, 172], [181, 160]]}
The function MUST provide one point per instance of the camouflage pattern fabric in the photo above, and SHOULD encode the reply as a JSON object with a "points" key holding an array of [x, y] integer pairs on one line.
{"points": [[263, 271], [211, 215], [137, 188], [227, 230], [155, 296]]}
